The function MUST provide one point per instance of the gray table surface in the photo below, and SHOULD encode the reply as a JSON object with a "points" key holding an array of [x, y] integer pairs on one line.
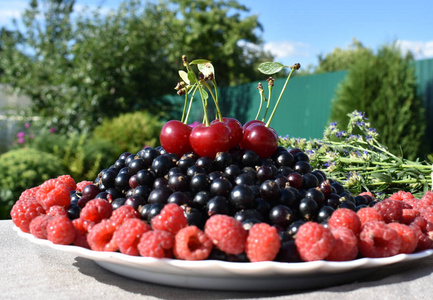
{"points": [[31, 271]]}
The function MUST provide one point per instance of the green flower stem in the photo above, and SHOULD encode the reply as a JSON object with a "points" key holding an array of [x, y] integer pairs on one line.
{"points": [[279, 98]]}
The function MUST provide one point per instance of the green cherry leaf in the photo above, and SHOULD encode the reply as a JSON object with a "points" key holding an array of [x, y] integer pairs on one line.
{"points": [[184, 76], [191, 77], [269, 68], [206, 69], [199, 61]]}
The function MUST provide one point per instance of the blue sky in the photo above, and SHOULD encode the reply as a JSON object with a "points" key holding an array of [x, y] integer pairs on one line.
{"points": [[299, 31]]}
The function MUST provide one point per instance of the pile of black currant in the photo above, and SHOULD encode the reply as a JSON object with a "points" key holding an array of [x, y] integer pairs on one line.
{"points": [[282, 190]]}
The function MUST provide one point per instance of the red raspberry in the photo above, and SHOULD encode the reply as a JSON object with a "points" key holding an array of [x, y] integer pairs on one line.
{"points": [[53, 192], [24, 211], [421, 222], [82, 184], [409, 215], [38, 226], [57, 210], [377, 239], [82, 228], [124, 212], [156, 243], [391, 210], [408, 237], [344, 217], [427, 213], [171, 219], [314, 241], [82, 225], [81, 240], [424, 242], [96, 210], [346, 245], [69, 181], [226, 233], [29, 194], [60, 230], [100, 238], [367, 214], [263, 243], [427, 198], [128, 235], [367, 194], [190, 243], [401, 196]]}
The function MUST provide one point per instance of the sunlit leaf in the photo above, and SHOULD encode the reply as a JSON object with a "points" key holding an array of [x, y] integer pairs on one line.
{"points": [[207, 69], [184, 76], [191, 77], [199, 61], [270, 68]]}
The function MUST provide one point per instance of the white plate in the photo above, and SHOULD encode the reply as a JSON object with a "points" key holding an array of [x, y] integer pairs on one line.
{"points": [[221, 275]]}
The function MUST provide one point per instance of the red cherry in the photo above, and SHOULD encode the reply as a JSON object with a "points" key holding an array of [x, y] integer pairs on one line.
{"points": [[209, 140], [260, 139], [174, 137], [247, 124], [236, 131]]}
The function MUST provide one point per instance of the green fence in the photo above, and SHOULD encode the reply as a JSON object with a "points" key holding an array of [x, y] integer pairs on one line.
{"points": [[303, 111], [306, 105]]}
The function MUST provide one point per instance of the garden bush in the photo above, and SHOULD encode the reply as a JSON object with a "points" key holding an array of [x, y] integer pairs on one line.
{"points": [[130, 132], [383, 85], [24, 168]]}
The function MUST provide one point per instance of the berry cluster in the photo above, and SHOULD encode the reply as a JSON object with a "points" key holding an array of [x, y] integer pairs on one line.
{"points": [[235, 207]]}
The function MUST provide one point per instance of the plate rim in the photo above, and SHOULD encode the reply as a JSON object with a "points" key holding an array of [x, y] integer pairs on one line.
{"points": [[228, 268]]}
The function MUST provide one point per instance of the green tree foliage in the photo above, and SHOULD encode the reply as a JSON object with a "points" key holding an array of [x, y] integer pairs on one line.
{"points": [[341, 59], [383, 85], [80, 70]]}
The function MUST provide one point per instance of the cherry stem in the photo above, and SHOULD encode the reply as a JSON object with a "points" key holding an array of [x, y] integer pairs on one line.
{"points": [[281, 95], [268, 104], [261, 104], [215, 98], [190, 105], [184, 108], [203, 100]]}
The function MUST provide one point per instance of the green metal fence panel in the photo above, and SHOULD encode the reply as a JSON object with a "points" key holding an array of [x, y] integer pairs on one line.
{"points": [[305, 108], [424, 75]]}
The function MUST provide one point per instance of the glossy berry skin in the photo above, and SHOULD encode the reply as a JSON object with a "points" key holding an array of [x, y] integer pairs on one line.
{"points": [[209, 140], [174, 137], [251, 122], [236, 130], [260, 139]]}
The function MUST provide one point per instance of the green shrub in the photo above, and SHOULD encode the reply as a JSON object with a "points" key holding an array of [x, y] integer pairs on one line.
{"points": [[384, 87], [130, 132], [82, 157], [24, 168]]}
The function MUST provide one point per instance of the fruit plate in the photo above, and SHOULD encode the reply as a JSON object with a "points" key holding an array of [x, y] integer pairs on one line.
{"points": [[222, 275]]}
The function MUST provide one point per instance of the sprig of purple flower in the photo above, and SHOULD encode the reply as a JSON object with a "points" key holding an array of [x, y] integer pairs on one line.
{"points": [[355, 157]]}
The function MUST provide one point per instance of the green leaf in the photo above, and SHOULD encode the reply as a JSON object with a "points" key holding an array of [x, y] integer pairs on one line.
{"points": [[206, 68], [270, 68], [199, 61], [184, 76], [191, 77]]}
